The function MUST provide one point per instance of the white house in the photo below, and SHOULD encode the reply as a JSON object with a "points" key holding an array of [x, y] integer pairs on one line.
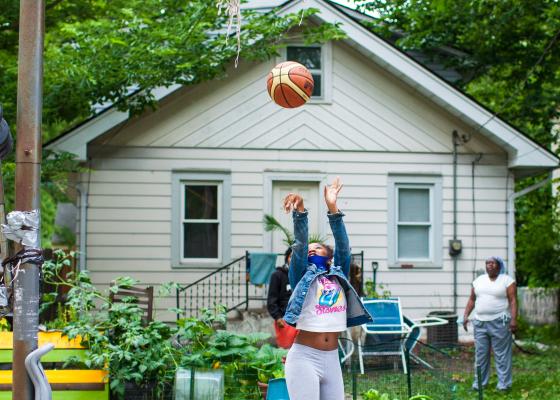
{"points": [[378, 119]]}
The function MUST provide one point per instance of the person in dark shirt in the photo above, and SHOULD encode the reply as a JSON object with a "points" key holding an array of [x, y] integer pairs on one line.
{"points": [[279, 292]]}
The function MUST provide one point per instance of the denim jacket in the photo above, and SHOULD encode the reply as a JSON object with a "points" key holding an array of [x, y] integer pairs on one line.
{"points": [[302, 274]]}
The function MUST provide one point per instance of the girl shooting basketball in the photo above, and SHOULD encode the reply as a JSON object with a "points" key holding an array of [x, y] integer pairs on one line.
{"points": [[322, 305]]}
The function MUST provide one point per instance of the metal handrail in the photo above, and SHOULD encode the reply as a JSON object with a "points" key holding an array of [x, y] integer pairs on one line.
{"points": [[237, 292], [183, 288]]}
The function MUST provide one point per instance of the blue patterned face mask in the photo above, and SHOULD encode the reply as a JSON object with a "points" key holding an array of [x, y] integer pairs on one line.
{"points": [[321, 262]]}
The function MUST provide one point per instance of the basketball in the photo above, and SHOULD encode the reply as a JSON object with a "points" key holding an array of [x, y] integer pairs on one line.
{"points": [[289, 84]]}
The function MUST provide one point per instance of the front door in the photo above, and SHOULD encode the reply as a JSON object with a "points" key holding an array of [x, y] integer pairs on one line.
{"points": [[310, 194]]}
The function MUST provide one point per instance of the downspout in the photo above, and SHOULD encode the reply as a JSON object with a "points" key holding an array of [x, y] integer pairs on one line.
{"points": [[455, 145], [511, 221], [82, 189]]}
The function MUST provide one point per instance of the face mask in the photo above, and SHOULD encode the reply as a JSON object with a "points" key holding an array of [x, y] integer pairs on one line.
{"points": [[321, 262]]}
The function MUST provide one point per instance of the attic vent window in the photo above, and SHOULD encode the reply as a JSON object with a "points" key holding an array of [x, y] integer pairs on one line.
{"points": [[311, 58]]}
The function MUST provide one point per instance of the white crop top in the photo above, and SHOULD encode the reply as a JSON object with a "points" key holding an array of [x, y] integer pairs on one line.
{"points": [[324, 309]]}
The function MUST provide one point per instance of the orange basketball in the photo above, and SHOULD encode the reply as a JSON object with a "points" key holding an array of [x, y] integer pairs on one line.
{"points": [[290, 84]]}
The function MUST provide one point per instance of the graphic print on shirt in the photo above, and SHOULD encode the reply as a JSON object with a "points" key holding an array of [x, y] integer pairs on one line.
{"points": [[328, 292]]}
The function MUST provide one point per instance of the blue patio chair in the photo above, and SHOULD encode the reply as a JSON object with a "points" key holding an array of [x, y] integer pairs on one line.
{"points": [[277, 390], [387, 328]]}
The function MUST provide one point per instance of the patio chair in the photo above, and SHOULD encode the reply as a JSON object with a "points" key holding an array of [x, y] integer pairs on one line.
{"points": [[144, 298], [387, 327], [277, 389], [413, 336], [345, 346]]}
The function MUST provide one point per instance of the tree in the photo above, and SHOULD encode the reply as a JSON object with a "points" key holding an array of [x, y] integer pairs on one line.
{"points": [[117, 52], [509, 56]]}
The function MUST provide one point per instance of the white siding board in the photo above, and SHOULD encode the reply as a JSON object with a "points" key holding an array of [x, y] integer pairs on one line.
{"points": [[129, 214], [121, 188], [127, 252], [390, 113], [127, 227], [129, 240], [121, 201], [164, 159], [131, 176]]}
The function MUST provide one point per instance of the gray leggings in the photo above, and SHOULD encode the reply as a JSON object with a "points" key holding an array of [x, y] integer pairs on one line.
{"points": [[313, 374]]}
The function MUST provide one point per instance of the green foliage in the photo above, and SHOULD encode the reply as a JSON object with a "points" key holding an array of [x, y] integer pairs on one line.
{"points": [[102, 52], [508, 53], [534, 377], [271, 224], [545, 334], [537, 244], [99, 52], [376, 291], [118, 340], [56, 168], [373, 394]]}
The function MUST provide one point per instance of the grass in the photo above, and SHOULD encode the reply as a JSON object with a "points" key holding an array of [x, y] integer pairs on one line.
{"points": [[535, 376]]}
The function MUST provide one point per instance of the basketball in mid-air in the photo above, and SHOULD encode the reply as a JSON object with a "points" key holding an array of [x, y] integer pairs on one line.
{"points": [[290, 84]]}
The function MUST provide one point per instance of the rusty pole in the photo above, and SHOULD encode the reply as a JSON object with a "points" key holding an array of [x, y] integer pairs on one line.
{"points": [[28, 171]]}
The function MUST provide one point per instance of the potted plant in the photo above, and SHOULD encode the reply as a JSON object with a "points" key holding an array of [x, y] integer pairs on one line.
{"points": [[269, 364]]}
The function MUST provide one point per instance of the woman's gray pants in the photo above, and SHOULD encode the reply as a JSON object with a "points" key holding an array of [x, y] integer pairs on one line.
{"points": [[496, 335]]}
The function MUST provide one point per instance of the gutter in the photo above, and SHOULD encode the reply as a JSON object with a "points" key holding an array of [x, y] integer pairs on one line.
{"points": [[82, 189], [511, 221]]}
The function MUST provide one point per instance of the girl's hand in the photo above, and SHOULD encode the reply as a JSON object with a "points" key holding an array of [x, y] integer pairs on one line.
{"points": [[331, 195], [293, 201]]}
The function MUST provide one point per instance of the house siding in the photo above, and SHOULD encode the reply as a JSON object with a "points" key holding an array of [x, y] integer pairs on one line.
{"points": [[375, 126]]}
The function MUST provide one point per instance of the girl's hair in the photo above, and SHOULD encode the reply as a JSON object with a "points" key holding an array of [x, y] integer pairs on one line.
{"points": [[287, 254], [330, 252]]}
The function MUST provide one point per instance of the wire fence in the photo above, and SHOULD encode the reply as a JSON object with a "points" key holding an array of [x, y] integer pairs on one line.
{"points": [[388, 368]]}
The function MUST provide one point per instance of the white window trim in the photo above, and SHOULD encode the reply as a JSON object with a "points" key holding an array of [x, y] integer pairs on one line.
{"points": [[178, 181], [219, 220], [434, 183], [326, 70]]}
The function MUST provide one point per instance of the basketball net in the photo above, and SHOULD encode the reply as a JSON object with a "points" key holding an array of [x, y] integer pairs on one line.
{"points": [[233, 10]]}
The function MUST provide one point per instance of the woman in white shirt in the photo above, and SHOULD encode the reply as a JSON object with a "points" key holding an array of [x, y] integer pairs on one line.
{"points": [[494, 300]]}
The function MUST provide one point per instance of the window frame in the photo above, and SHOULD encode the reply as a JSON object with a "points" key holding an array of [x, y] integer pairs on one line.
{"points": [[434, 185], [326, 70], [180, 180]]}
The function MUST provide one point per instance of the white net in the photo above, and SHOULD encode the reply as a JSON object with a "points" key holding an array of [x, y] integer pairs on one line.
{"points": [[233, 10]]}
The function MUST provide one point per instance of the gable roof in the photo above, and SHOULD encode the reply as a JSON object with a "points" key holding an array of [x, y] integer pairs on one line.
{"points": [[525, 156]]}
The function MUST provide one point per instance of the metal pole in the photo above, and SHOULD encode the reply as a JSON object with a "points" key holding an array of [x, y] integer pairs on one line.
{"points": [[3, 240], [408, 372], [28, 176], [455, 145]]}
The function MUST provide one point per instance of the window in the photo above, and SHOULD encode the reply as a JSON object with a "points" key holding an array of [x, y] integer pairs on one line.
{"points": [[414, 221], [310, 57], [200, 233], [201, 220], [317, 60]]}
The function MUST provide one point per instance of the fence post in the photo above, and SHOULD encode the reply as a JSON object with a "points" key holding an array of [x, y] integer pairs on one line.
{"points": [[408, 371], [354, 378], [479, 384], [177, 298], [247, 279], [191, 388]]}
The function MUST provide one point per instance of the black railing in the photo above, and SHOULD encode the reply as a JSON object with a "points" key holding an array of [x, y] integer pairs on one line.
{"points": [[230, 286]]}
